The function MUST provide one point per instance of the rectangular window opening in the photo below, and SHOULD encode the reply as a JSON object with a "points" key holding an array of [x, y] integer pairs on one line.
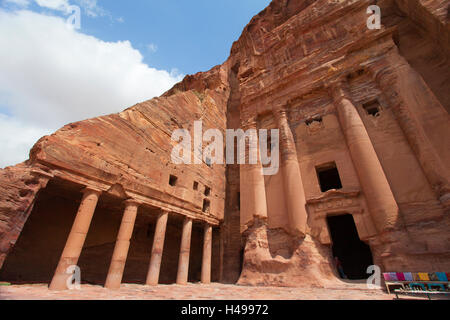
{"points": [[372, 108], [207, 191], [195, 186], [173, 180], [313, 120], [329, 178]]}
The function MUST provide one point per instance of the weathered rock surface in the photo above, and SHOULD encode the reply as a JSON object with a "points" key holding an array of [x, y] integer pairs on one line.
{"points": [[20, 185]]}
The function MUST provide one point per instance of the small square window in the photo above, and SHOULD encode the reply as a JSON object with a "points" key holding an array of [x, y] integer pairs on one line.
{"points": [[329, 178], [311, 121], [372, 108], [173, 180], [207, 191]]}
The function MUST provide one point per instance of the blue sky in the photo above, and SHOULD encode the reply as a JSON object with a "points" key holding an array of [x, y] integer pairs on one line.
{"points": [[125, 52], [189, 36]]}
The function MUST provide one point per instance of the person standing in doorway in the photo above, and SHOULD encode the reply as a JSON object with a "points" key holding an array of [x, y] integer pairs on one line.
{"points": [[339, 267]]}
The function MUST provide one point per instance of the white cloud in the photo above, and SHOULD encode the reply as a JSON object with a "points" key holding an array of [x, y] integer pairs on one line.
{"points": [[52, 75], [60, 5], [91, 8], [16, 140]]}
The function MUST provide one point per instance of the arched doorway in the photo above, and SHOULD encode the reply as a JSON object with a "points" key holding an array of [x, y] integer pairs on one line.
{"points": [[354, 255]]}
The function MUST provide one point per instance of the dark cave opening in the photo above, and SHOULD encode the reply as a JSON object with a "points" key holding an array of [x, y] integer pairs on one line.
{"points": [[354, 255]]}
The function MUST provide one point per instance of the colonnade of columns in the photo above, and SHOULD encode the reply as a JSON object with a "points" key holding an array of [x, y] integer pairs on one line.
{"points": [[381, 202], [80, 228], [374, 183], [252, 184]]}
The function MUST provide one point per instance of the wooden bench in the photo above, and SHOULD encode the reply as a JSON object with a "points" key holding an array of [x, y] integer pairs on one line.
{"points": [[408, 283]]}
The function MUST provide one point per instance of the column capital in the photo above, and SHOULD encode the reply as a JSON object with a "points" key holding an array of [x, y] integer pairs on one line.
{"points": [[280, 112], [339, 90], [89, 189], [279, 107], [163, 211], [131, 202]]}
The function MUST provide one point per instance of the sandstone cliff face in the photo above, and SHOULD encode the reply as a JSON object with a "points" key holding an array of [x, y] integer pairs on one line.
{"points": [[128, 155], [19, 184], [290, 55]]}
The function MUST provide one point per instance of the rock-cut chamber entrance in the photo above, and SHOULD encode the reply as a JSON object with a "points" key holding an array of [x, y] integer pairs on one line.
{"points": [[354, 255]]}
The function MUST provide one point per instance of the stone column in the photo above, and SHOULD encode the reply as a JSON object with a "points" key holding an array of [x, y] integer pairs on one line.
{"points": [[119, 258], [207, 251], [378, 193], [401, 84], [185, 249], [157, 249], [252, 185], [76, 239], [294, 193]]}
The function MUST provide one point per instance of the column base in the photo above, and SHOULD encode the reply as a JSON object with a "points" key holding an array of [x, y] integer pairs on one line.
{"points": [[59, 282]]}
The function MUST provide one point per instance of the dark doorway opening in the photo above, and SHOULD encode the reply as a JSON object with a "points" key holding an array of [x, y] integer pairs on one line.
{"points": [[141, 242], [354, 255], [171, 251], [36, 253], [195, 255], [216, 255], [329, 178]]}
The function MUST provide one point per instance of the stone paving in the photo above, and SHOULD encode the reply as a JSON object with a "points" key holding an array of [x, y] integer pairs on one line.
{"points": [[191, 292]]}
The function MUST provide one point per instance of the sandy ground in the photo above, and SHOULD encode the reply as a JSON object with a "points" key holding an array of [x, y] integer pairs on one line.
{"points": [[191, 292]]}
